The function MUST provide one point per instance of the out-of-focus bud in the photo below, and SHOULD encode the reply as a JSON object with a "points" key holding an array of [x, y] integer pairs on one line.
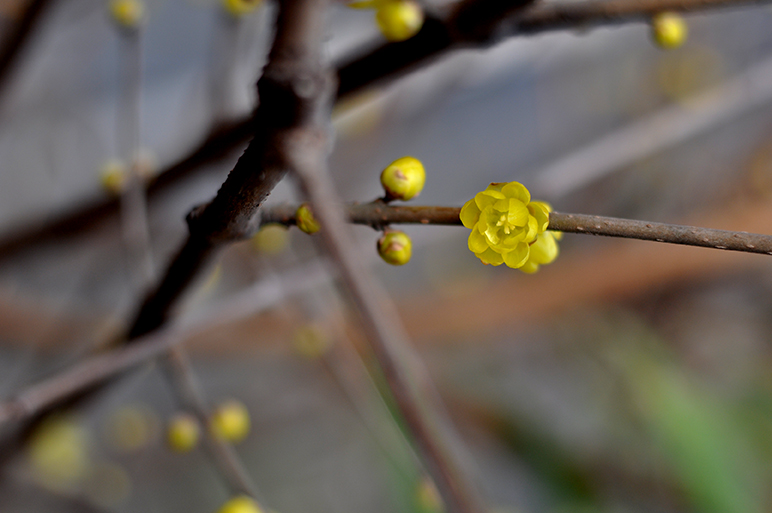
{"points": [[183, 432], [127, 13], [230, 421], [305, 219], [669, 30]]}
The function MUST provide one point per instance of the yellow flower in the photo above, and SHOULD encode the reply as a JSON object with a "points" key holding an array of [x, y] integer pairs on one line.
{"points": [[504, 223], [543, 251]]}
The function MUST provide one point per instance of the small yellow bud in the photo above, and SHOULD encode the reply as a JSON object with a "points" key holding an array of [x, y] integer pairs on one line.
{"points": [[240, 504], [403, 179], [399, 19], [669, 30], [230, 421], [238, 8], [305, 219], [183, 432], [271, 239], [113, 176], [395, 247], [127, 13]]}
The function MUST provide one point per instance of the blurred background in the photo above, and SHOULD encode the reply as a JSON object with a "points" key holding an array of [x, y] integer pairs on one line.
{"points": [[627, 376]]}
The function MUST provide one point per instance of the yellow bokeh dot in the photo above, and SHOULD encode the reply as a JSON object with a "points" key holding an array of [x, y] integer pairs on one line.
{"points": [[58, 453], [113, 176], [127, 13], [311, 341], [131, 427], [428, 498], [240, 504], [183, 432], [271, 239], [230, 421], [239, 8]]}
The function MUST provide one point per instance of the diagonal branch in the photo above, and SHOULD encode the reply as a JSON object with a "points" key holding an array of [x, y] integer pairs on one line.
{"points": [[406, 380]]}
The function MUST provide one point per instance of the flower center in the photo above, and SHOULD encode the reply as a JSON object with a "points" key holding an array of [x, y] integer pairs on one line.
{"points": [[503, 222]]}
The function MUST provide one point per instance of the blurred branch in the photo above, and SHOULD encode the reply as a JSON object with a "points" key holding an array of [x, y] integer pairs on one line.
{"points": [[14, 43], [191, 396], [387, 61], [384, 333]]}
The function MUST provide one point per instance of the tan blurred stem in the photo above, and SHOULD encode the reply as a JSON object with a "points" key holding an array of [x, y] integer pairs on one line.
{"points": [[383, 329], [378, 214]]}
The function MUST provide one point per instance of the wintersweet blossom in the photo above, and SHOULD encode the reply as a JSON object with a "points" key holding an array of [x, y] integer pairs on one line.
{"points": [[507, 227]]}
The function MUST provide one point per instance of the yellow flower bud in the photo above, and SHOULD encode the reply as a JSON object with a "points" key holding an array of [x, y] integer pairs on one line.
{"points": [[58, 452], [399, 19], [305, 219], [240, 504], [230, 421], [669, 30], [395, 247], [238, 8], [113, 176], [127, 13], [403, 179], [506, 227], [183, 432]]}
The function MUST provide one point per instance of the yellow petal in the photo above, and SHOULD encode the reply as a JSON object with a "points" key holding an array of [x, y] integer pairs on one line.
{"points": [[490, 257], [476, 242], [518, 256], [541, 212], [544, 250], [486, 198], [516, 190], [518, 213], [530, 267], [470, 214]]}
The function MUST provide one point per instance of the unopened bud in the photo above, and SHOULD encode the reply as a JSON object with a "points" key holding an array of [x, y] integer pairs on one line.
{"points": [[305, 219], [403, 179], [395, 247]]}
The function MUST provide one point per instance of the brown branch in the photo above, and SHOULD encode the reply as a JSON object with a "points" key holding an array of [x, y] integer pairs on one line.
{"points": [[378, 214]]}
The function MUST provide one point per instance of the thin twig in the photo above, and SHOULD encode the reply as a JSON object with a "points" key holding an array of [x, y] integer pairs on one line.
{"points": [[191, 396], [378, 214]]}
